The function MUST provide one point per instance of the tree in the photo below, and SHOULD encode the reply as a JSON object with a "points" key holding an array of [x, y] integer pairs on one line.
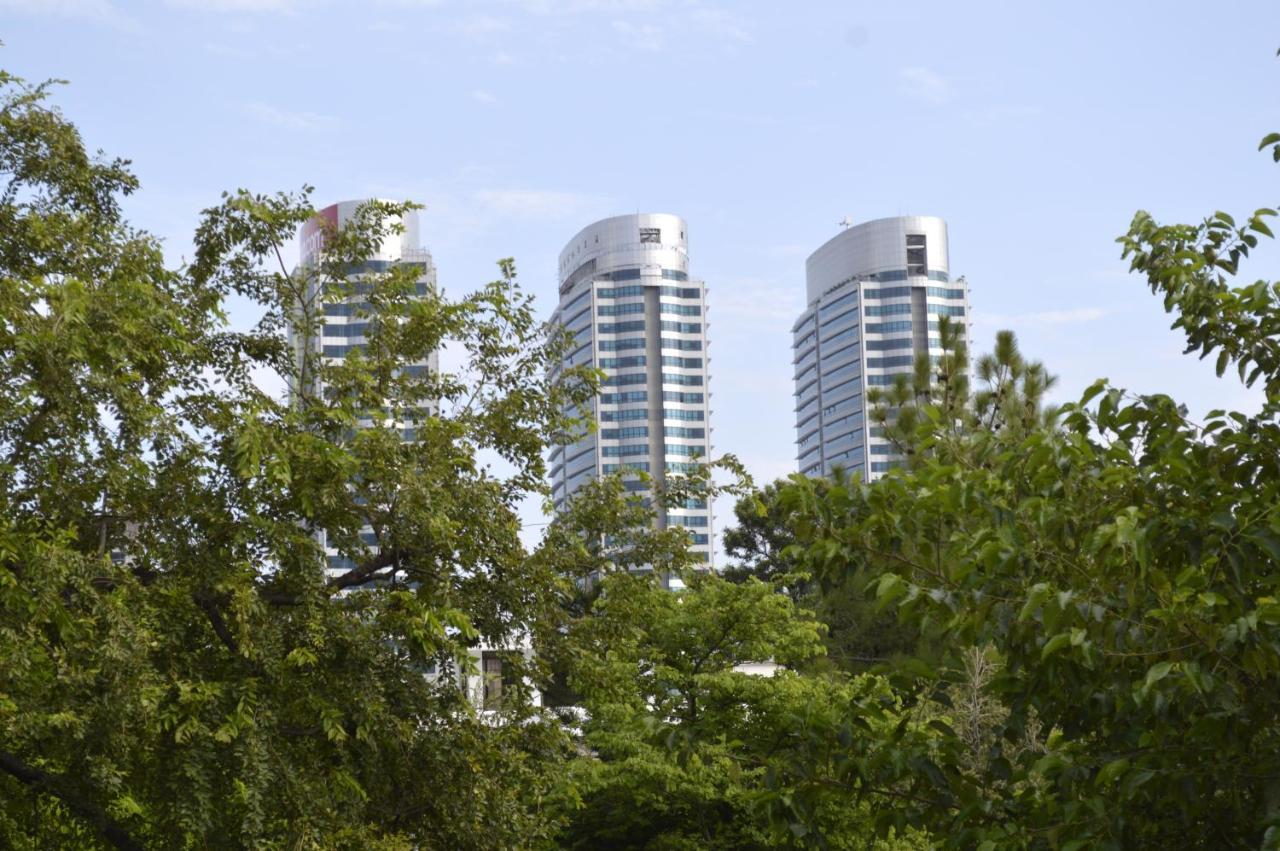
{"points": [[1009, 399], [675, 737], [176, 669], [681, 742], [759, 542], [1123, 569]]}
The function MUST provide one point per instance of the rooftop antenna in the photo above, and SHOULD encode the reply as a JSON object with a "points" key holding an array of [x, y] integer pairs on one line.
{"points": [[846, 222]]}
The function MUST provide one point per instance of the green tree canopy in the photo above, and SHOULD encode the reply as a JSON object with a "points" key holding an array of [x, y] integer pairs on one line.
{"points": [[1120, 573], [176, 667]]}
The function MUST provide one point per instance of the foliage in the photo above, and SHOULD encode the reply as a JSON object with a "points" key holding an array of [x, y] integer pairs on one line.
{"points": [[177, 669], [759, 542], [1124, 570], [1008, 399], [682, 744], [858, 636]]}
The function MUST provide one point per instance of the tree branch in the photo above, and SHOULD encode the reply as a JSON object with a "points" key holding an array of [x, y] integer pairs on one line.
{"points": [[364, 572], [209, 606], [82, 808]]}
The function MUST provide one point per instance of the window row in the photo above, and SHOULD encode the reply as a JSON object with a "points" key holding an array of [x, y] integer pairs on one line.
{"points": [[620, 292], [619, 309], [347, 308], [839, 337], [892, 361], [888, 327], [624, 433], [641, 466], [628, 378], [622, 345], [850, 313], [897, 292], [888, 309], [574, 305], [629, 449], [627, 396], [828, 309], [624, 416], [622, 327], [619, 363]]}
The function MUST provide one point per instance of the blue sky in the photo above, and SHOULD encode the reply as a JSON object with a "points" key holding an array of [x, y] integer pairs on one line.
{"points": [[1035, 129]]}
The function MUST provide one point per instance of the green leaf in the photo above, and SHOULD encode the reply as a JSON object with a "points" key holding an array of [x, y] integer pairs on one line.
{"points": [[1053, 645], [301, 657], [1111, 771], [1157, 672], [1266, 541], [1038, 594]]}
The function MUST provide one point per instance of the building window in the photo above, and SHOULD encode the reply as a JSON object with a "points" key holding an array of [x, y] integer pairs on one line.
{"points": [[650, 234], [491, 668], [917, 254]]}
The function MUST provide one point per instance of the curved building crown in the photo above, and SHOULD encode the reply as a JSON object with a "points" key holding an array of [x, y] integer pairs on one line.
{"points": [[634, 313], [876, 246], [394, 247]]}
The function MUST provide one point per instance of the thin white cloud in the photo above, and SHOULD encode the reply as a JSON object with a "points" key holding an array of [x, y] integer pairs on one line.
{"points": [[579, 7], [750, 303], [287, 119], [481, 96], [534, 203], [96, 11], [1043, 317], [924, 84], [791, 249], [60, 8], [236, 5], [482, 25], [641, 36], [723, 24], [1002, 114]]}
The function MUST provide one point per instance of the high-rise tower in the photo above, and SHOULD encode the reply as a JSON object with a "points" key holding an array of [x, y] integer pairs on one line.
{"points": [[626, 296], [875, 293], [347, 320]]}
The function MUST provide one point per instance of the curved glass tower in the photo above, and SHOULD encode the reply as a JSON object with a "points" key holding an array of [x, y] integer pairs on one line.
{"points": [[626, 296], [875, 293]]}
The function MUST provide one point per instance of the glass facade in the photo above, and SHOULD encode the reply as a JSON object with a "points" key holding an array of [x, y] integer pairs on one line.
{"points": [[649, 336], [858, 333]]}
